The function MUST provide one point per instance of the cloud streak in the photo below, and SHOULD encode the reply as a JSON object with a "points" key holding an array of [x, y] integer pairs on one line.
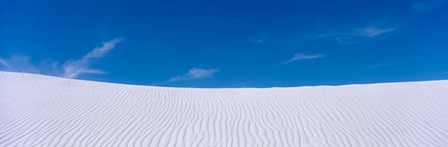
{"points": [[299, 56], [194, 73], [73, 69], [70, 68], [356, 35], [4, 63], [361, 34], [18, 63], [373, 31], [377, 66]]}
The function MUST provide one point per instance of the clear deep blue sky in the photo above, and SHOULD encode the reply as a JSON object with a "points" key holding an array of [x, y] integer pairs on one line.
{"points": [[228, 43]]}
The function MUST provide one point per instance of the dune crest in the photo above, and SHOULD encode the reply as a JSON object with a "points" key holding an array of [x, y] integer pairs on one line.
{"points": [[40, 110]]}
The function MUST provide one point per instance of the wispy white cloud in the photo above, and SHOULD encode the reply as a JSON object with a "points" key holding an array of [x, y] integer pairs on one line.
{"points": [[4, 63], [376, 66], [194, 73], [357, 34], [18, 63], [373, 31], [74, 68], [299, 56], [70, 68], [259, 38]]}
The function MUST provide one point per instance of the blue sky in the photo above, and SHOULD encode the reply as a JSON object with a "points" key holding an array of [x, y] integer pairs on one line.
{"points": [[227, 43]]}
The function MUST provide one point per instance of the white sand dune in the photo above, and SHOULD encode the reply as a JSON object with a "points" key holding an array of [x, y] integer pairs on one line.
{"points": [[40, 111]]}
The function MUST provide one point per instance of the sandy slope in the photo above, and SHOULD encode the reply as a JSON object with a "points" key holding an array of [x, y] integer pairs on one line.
{"points": [[39, 111]]}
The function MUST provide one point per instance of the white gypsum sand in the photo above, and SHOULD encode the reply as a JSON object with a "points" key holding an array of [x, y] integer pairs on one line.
{"points": [[38, 110]]}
